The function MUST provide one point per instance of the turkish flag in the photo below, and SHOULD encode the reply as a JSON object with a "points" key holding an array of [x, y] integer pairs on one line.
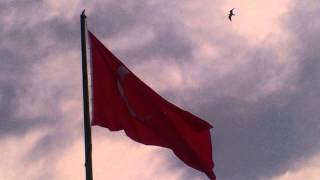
{"points": [[121, 101]]}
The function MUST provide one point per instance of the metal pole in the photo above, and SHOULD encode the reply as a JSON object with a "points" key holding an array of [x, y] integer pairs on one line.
{"points": [[86, 113]]}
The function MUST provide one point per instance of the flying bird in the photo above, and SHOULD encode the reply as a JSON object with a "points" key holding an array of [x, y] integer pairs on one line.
{"points": [[231, 14]]}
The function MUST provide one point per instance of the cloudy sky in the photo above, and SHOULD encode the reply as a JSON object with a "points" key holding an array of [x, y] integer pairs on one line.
{"points": [[255, 79]]}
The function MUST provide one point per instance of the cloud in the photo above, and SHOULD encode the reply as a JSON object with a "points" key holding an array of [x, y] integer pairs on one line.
{"points": [[255, 80], [14, 164], [112, 158], [307, 169]]}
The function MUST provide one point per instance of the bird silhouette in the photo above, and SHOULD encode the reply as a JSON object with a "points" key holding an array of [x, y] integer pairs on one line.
{"points": [[231, 14]]}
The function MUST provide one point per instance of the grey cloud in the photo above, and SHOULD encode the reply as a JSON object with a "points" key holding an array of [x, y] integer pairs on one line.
{"points": [[64, 32], [251, 139], [263, 138], [109, 19], [7, 123], [24, 47], [114, 18], [168, 44]]}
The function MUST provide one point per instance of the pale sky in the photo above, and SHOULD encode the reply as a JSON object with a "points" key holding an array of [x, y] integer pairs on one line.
{"points": [[256, 79]]}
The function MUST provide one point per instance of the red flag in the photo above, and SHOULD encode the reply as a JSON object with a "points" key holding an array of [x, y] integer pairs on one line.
{"points": [[121, 101]]}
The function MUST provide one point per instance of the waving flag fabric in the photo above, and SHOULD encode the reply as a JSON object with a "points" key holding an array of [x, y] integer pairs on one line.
{"points": [[121, 101]]}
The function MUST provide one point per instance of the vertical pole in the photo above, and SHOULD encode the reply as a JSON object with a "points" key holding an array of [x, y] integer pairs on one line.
{"points": [[86, 113]]}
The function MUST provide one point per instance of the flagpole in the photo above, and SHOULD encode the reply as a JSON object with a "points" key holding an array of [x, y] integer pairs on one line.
{"points": [[86, 112]]}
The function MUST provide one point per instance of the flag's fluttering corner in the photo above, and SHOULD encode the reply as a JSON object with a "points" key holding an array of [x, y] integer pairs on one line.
{"points": [[121, 101]]}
